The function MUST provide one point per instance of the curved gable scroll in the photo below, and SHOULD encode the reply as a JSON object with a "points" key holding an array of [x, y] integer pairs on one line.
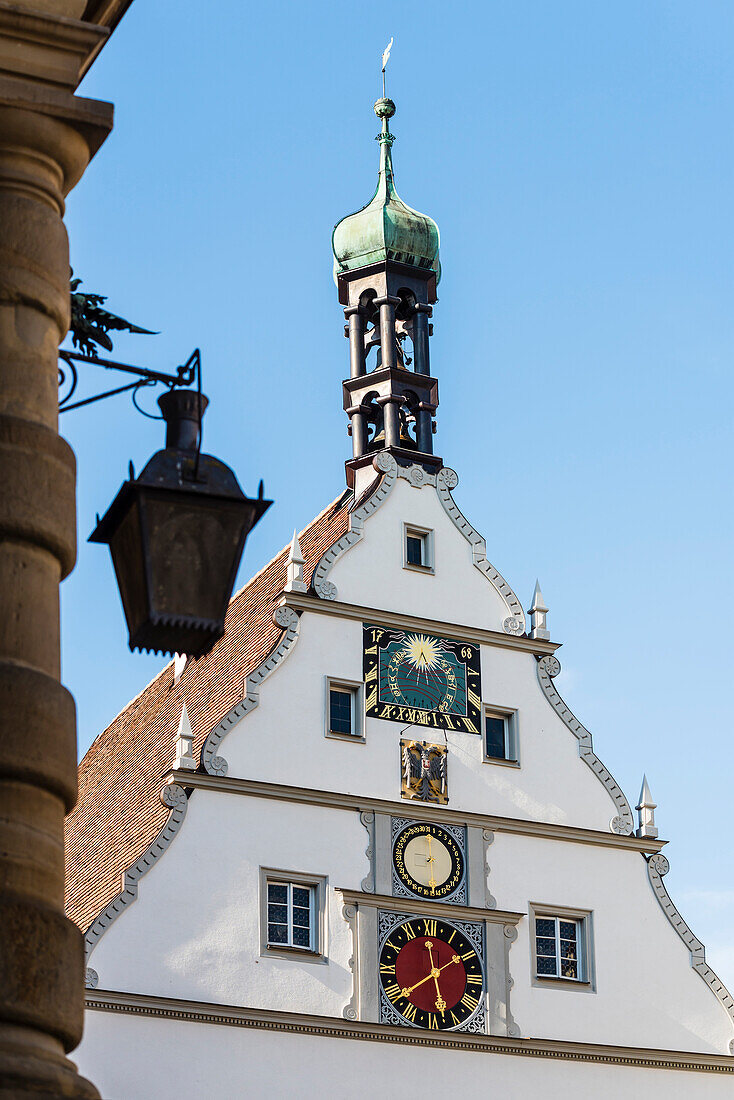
{"points": [[443, 482], [622, 822], [286, 618]]}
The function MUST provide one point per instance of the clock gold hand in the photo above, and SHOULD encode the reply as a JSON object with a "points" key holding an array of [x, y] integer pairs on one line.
{"points": [[435, 971], [432, 881]]}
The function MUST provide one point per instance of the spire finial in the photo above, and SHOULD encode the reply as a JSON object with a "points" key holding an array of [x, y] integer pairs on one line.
{"points": [[294, 577], [185, 743], [538, 615], [646, 812]]}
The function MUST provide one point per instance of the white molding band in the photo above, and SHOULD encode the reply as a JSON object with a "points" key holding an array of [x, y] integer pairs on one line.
{"points": [[657, 866], [446, 480], [385, 464], [174, 796], [289, 620], [169, 1008], [623, 822]]}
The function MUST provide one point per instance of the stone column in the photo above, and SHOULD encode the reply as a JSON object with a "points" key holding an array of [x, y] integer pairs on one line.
{"points": [[421, 354], [47, 136], [355, 318]]}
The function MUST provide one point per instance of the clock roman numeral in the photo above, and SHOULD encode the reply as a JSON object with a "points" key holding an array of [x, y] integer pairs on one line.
{"points": [[469, 1002], [455, 1020], [430, 927], [471, 979], [409, 1012], [467, 955], [433, 1023], [387, 968], [408, 932], [393, 991]]}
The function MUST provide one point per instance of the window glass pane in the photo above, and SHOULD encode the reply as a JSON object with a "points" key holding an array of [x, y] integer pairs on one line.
{"points": [[546, 965], [546, 947], [302, 896], [340, 710], [301, 937], [277, 933], [277, 892], [495, 728], [414, 550], [278, 913], [569, 969], [545, 926], [568, 929]]}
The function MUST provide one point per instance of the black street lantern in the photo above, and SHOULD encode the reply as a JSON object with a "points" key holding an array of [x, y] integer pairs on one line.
{"points": [[176, 535]]}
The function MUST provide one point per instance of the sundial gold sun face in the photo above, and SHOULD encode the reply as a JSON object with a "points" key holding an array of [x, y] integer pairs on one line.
{"points": [[421, 679]]}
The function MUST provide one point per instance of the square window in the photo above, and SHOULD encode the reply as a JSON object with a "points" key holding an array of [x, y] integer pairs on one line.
{"points": [[561, 947], [290, 923], [344, 710], [293, 917], [417, 548], [500, 736]]}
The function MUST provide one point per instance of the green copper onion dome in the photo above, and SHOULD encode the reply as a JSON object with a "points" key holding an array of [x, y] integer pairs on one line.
{"points": [[386, 228]]}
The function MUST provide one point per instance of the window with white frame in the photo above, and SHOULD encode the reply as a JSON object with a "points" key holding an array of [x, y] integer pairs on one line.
{"points": [[500, 735], [291, 914], [417, 548], [343, 709], [560, 947]]}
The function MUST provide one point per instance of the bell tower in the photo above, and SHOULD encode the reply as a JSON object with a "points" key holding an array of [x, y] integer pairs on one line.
{"points": [[386, 268]]}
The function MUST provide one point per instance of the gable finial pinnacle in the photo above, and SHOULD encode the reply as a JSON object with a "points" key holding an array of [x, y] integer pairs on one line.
{"points": [[294, 576], [646, 812], [538, 615], [185, 743]]}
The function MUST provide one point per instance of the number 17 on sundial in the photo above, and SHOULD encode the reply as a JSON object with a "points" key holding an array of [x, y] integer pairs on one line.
{"points": [[422, 679]]}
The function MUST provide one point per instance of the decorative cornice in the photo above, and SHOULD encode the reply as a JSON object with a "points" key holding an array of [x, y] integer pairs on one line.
{"points": [[364, 614], [169, 1008], [446, 480], [339, 800], [657, 866], [175, 797], [386, 465], [351, 1008], [622, 823], [286, 618], [426, 907]]}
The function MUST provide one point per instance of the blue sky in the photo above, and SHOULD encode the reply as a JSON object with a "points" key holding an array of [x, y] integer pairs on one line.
{"points": [[578, 160]]}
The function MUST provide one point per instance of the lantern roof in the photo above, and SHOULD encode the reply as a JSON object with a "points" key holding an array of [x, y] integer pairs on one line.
{"points": [[386, 228]]}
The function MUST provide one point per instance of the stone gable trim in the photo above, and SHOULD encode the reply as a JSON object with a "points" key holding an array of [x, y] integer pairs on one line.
{"points": [[176, 798], [623, 822], [657, 866], [425, 908], [446, 480], [412, 622], [338, 800], [170, 1008], [286, 618]]}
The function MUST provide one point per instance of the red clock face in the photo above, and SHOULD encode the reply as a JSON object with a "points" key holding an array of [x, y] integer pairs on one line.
{"points": [[431, 974]]}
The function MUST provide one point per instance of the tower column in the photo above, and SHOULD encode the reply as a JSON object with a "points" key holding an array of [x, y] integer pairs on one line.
{"points": [[424, 427], [390, 411], [355, 318], [358, 423], [387, 331], [421, 354]]}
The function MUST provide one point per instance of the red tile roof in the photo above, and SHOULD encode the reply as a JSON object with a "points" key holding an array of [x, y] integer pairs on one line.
{"points": [[119, 813]]}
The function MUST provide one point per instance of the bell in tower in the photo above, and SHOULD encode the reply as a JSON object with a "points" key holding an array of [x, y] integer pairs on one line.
{"points": [[386, 269]]}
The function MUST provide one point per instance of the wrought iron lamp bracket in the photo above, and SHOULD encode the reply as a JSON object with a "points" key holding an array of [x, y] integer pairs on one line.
{"points": [[185, 375]]}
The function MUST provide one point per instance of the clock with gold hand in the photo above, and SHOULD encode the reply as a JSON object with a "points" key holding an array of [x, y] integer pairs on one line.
{"points": [[431, 974]]}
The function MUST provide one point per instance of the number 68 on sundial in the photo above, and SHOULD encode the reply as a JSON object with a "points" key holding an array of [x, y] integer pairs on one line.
{"points": [[422, 679]]}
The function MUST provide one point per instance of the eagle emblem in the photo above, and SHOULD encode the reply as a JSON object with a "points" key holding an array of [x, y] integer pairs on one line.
{"points": [[424, 771]]}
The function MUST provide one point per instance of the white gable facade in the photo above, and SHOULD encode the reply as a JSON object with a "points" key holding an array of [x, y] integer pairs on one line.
{"points": [[189, 998]]}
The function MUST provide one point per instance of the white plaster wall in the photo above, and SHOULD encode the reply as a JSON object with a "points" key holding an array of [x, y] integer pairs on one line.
{"points": [[647, 994], [194, 930], [283, 740], [131, 1058], [372, 573]]}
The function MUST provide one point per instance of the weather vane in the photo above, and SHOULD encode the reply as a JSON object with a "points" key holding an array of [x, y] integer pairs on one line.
{"points": [[385, 59]]}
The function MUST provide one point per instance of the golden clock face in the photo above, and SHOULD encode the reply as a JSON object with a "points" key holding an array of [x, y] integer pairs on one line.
{"points": [[428, 860], [431, 974]]}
